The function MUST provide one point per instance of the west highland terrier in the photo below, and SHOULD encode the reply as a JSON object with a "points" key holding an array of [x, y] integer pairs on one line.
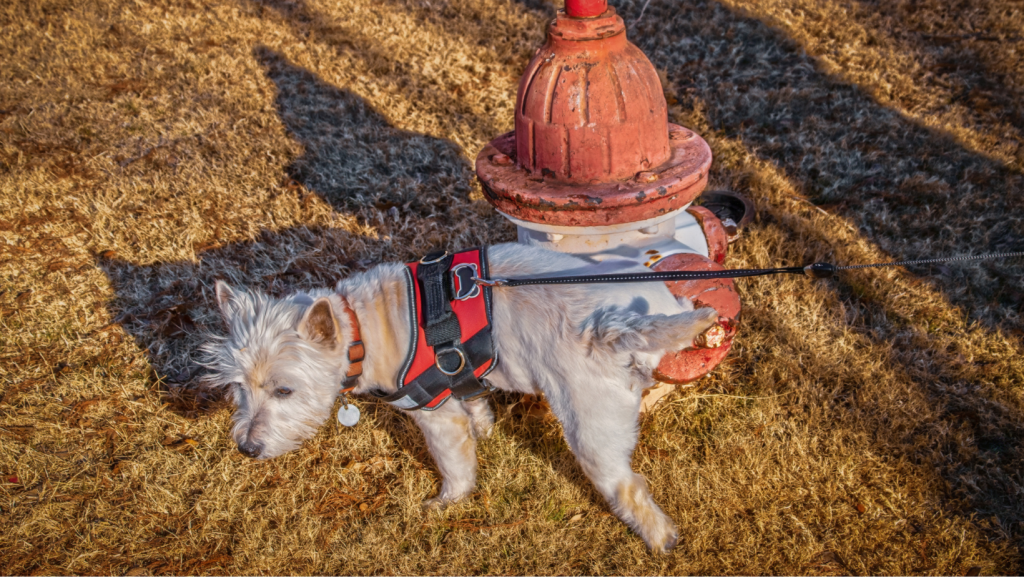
{"points": [[590, 349]]}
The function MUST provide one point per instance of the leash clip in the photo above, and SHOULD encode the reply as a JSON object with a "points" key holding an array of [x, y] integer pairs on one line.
{"points": [[489, 282]]}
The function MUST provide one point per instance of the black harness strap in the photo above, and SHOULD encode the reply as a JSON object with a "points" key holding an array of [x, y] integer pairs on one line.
{"points": [[442, 326]]}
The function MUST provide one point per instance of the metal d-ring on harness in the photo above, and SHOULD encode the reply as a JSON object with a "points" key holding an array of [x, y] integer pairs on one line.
{"points": [[816, 270]]}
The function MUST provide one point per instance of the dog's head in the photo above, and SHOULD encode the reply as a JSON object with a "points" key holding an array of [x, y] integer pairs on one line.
{"points": [[283, 362]]}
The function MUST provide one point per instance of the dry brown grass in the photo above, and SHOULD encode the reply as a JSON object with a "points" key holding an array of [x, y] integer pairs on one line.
{"points": [[873, 424]]}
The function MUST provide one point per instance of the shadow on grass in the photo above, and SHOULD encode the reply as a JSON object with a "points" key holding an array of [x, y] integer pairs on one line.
{"points": [[357, 162], [433, 94], [353, 156], [392, 180], [913, 191], [971, 52]]}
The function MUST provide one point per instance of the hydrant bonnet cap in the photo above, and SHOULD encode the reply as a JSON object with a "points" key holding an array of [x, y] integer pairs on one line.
{"points": [[585, 8]]}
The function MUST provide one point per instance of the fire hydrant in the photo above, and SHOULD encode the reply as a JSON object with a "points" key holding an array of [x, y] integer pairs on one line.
{"points": [[595, 169]]}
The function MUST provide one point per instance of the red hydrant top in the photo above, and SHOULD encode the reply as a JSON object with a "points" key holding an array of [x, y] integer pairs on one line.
{"points": [[585, 8], [590, 104], [592, 143]]}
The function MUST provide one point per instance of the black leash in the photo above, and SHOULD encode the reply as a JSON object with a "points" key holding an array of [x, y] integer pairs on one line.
{"points": [[816, 270]]}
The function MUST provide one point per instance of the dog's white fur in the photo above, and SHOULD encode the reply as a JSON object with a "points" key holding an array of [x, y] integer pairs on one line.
{"points": [[589, 349]]}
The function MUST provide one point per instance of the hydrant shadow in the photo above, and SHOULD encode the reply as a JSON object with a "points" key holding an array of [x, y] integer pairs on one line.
{"points": [[430, 94], [353, 157]]}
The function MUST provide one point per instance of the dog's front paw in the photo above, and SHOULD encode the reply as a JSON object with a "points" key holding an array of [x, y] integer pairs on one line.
{"points": [[667, 542], [658, 532], [439, 503], [435, 504]]}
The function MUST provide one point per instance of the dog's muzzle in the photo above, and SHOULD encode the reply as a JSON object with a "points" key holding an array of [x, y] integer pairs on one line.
{"points": [[250, 449]]}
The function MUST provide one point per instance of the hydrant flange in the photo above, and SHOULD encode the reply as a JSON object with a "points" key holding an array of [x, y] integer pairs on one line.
{"points": [[542, 198]]}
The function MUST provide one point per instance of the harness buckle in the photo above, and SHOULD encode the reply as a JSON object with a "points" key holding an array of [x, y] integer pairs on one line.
{"points": [[483, 392], [462, 360]]}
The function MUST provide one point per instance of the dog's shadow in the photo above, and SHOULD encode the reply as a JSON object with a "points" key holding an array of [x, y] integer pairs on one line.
{"points": [[168, 308], [390, 179]]}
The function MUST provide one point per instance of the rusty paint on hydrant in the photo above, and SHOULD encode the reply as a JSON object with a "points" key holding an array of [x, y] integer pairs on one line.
{"points": [[592, 145]]}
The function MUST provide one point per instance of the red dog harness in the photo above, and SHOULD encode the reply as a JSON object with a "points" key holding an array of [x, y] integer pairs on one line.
{"points": [[451, 350]]}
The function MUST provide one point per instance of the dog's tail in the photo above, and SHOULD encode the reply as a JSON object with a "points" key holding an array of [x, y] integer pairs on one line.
{"points": [[617, 330]]}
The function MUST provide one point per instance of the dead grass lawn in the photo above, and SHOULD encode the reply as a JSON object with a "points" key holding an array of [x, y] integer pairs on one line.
{"points": [[872, 424]]}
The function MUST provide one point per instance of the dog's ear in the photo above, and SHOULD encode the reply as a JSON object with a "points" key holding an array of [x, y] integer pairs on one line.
{"points": [[319, 324], [225, 296]]}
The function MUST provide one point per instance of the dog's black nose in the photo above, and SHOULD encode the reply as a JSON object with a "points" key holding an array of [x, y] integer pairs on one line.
{"points": [[250, 449]]}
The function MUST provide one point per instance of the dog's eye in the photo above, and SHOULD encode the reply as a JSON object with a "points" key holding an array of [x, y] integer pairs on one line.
{"points": [[282, 391]]}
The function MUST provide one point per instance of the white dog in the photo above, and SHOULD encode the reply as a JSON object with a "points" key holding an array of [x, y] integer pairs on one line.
{"points": [[590, 349]]}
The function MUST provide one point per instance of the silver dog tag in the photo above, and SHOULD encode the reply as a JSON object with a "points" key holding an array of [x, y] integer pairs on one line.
{"points": [[348, 415]]}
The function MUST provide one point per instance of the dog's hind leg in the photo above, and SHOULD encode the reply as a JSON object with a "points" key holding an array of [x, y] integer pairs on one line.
{"points": [[599, 417], [452, 445]]}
